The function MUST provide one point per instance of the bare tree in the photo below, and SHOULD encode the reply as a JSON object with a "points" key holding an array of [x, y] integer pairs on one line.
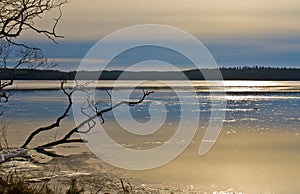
{"points": [[89, 122], [17, 16]]}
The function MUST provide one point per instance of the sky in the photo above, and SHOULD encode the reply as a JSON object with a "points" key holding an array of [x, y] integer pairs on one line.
{"points": [[236, 32]]}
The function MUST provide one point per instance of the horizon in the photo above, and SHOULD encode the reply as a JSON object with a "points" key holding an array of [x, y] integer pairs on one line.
{"points": [[237, 33], [184, 70], [227, 73], [69, 54]]}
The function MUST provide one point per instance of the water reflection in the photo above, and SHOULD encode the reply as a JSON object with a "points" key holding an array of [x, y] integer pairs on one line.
{"points": [[265, 109], [201, 86]]}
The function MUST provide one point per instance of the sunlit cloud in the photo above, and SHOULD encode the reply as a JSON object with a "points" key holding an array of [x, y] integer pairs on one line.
{"points": [[76, 60], [247, 32], [92, 19], [72, 64]]}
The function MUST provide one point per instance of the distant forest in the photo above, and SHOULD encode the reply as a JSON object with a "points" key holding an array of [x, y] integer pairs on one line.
{"points": [[233, 73]]}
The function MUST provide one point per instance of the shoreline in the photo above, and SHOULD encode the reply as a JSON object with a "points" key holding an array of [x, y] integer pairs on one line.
{"points": [[229, 86]]}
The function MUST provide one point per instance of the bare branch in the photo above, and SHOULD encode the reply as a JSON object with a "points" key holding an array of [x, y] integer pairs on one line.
{"points": [[66, 138], [58, 120], [19, 15], [55, 143], [125, 190], [15, 17], [107, 92], [21, 44]]}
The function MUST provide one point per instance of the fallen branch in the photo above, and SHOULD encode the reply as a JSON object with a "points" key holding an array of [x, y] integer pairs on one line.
{"points": [[66, 138], [58, 120]]}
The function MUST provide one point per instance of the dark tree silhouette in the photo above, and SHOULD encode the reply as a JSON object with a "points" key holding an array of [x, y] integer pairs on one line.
{"points": [[17, 16], [88, 122]]}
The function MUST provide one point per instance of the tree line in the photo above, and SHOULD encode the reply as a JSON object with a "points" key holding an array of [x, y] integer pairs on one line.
{"points": [[229, 73]]}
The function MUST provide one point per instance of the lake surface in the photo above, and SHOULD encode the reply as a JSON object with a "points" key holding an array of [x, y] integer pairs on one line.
{"points": [[200, 86], [258, 150], [262, 104]]}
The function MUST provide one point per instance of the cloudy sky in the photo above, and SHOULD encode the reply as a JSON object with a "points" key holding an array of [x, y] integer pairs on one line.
{"points": [[236, 32]]}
